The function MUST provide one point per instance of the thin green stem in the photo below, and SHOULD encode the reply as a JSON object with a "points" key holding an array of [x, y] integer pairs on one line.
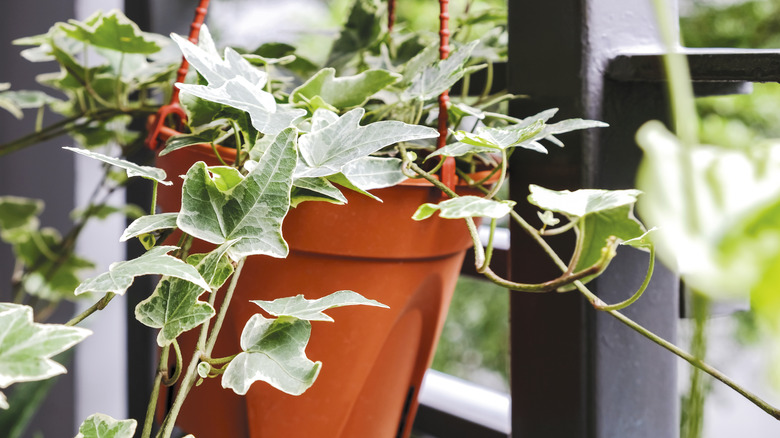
{"points": [[488, 82], [489, 248], [501, 176], [639, 292], [560, 230], [171, 380], [216, 152], [99, 305], [162, 369], [219, 360], [153, 208], [223, 308]]}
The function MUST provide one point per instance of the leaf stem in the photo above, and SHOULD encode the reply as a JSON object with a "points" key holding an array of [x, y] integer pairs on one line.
{"points": [[171, 380], [99, 305], [162, 369], [638, 293]]}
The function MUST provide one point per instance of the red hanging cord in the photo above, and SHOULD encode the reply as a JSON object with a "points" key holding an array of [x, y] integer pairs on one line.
{"points": [[173, 108], [390, 15], [448, 169]]}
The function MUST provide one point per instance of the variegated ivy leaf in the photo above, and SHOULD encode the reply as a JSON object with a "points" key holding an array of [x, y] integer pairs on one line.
{"points": [[220, 205], [465, 206], [104, 426], [236, 83], [548, 219], [343, 92], [433, 80], [336, 141], [156, 261], [132, 169], [112, 30], [273, 352], [316, 189], [16, 101], [601, 215], [26, 346], [370, 173], [174, 307], [312, 310], [147, 224], [204, 136]]}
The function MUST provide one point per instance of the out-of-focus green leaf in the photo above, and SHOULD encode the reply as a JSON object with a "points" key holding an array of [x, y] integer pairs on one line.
{"points": [[112, 30], [343, 92], [132, 169]]}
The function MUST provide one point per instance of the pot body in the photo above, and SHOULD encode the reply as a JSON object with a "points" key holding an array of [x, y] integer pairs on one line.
{"points": [[373, 359]]}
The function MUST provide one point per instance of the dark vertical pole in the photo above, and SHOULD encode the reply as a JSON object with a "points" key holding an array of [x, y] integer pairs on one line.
{"points": [[164, 18], [577, 372]]}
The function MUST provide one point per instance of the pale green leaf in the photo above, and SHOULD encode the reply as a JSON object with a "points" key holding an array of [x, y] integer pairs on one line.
{"points": [[361, 31], [343, 92], [465, 206], [174, 308], [104, 426], [312, 310], [250, 211], [336, 141], [206, 136], [120, 275], [370, 173], [113, 31], [273, 352], [147, 224], [204, 369], [459, 149], [580, 202], [132, 169], [715, 215], [26, 346], [503, 139], [215, 267], [433, 80], [548, 219]]}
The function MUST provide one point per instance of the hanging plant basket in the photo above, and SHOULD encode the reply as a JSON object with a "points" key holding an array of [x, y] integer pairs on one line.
{"points": [[373, 362]]}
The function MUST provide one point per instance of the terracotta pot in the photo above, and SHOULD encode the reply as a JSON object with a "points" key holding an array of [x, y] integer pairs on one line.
{"points": [[373, 359]]}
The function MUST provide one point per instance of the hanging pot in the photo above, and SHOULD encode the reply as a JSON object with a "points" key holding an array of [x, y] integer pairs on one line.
{"points": [[373, 359]]}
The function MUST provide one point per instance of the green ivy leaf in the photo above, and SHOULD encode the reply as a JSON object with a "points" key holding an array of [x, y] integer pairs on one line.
{"points": [[174, 308], [205, 136], [18, 217], [602, 215], [26, 347], [120, 275], [343, 92], [361, 31], [132, 169], [251, 210], [336, 141], [433, 80], [147, 224], [465, 206], [103, 426], [312, 310], [113, 31], [273, 352]]}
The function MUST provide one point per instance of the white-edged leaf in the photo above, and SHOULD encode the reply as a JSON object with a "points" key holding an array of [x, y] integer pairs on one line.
{"points": [[580, 202], [312, 310], [370, 173], [132, 169], [336, 141], [310, 189], [26, 346], [156, 261], [273, 352], [174, 306], [3, 401], [104, 426], [147, 224], [251, 210], [465, 206]]}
